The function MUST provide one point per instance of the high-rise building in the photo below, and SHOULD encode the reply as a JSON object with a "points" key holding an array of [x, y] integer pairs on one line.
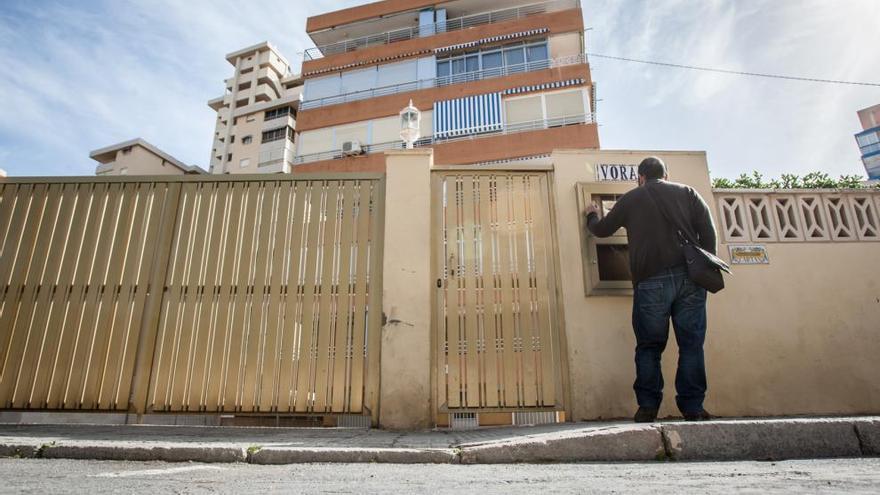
{"points": [[495, 80], [869, 140], [256, 117]]}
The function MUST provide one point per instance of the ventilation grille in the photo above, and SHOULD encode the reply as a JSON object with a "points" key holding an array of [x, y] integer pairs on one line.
{"points": [[535, 418], [353, 421], [464, 421]]}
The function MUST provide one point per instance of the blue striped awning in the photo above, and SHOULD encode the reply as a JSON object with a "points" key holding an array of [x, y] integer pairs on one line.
{"points": [[469, 115], [502, 37], [539, 87]]}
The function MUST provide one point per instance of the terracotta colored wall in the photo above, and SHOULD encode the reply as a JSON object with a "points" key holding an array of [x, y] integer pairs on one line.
{"points": [[477, 150], [363, 12], [365, 163], [516, 145], [558, 22], [424, 99]]}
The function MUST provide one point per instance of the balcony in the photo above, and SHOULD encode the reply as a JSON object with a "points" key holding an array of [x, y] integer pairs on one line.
{"points": [[456, 24], [280, 121], [446, 80], [431, 140]]}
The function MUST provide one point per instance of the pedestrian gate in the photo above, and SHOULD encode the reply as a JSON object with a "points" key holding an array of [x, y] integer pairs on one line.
{"points": [[496, 327]]}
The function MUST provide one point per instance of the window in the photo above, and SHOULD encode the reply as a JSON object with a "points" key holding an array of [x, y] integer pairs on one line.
{"points": [[443, 68], [276, 113], [558, 108], [247, 140], [244, 86], [277, 134], [397, 73], [245, 162], [358, 80], [232, 139], [513, 54], [564, 104], [526, 109], [229, 157], [537, 52], [492, 60]]}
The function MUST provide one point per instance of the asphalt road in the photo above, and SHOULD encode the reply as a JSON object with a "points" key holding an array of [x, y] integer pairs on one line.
{"points": [[808, 476]]}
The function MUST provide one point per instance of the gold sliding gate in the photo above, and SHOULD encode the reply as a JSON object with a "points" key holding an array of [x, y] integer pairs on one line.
{"points": [[496, 325], [191, 294]]}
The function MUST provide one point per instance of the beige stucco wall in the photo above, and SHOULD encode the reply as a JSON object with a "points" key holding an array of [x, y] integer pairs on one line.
{"points": [[798, 336], [405, 389]]}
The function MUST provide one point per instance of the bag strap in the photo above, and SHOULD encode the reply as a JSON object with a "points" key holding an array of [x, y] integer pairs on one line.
{"points": [[683, 234]]}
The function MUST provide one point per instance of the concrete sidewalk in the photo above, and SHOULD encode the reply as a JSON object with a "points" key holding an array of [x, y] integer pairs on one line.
{"points": [[752, 439]]}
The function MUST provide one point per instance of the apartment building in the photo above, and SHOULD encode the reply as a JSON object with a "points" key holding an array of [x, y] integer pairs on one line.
{"points": [[138, 157], [494, 81], [869, 140], [256, 117]]}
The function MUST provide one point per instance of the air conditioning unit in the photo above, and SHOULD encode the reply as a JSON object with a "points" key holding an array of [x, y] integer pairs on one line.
{"points": [[350, 148]]}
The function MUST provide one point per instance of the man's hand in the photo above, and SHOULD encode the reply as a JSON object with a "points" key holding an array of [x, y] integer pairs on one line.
{"points": [[593, 208]]}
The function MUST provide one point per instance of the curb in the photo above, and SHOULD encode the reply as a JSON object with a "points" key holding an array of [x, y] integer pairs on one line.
{"points": [[616, 444], [136, 453], [275, 455], [761, 441], [732, 440]]}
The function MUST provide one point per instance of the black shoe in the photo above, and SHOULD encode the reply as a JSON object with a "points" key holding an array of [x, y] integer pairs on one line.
{"points": [[645, 415], [703, 415]]}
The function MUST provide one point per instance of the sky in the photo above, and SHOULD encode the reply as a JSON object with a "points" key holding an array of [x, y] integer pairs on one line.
{"points": [[87, 74]]}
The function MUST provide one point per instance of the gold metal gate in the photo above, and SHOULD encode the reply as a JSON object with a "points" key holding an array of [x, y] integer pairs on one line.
{"points": [[496, 322], [191, 294]]}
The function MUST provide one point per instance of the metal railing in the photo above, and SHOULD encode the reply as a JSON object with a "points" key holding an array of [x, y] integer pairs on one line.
{"points": [[437, 27], [478, 133], [444, 81]]}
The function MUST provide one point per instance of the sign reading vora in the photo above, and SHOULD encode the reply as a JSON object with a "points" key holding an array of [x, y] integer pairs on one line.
{"points": [[614, 172]]}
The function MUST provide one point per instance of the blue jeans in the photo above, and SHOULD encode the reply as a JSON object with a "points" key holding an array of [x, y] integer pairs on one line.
{"points": [[670, 293]]}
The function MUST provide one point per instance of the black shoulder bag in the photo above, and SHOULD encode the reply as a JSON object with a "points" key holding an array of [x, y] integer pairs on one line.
{"points": [[704, 268]]}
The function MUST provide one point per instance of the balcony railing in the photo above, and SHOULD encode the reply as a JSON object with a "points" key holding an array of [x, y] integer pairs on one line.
{"points": [[437, 27], [445, 81], [432, 140]]}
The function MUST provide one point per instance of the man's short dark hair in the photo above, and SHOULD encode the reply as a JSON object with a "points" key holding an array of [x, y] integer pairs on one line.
{"points": [[652, 168]]}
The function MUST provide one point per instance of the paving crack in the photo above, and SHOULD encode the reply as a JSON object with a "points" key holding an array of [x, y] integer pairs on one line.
{"points": [[668, 452], [862, 448]]}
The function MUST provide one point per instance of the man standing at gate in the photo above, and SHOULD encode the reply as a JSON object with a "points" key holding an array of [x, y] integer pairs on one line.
{"points": [[661, 287]]}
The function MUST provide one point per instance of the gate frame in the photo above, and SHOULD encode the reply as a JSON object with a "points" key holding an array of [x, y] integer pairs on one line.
{"points": [[556, 305]]}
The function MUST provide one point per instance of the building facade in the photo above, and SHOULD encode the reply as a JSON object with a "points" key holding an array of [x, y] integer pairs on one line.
{"points": [[869, 140], [138, 157], [494, 81], [256, 117]]}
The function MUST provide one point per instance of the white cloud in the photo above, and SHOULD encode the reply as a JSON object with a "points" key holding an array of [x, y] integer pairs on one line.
{"points": [[744, 123]]}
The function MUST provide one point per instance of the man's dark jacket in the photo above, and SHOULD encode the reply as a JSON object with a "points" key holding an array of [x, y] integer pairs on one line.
{"points": [[653, 243]]}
